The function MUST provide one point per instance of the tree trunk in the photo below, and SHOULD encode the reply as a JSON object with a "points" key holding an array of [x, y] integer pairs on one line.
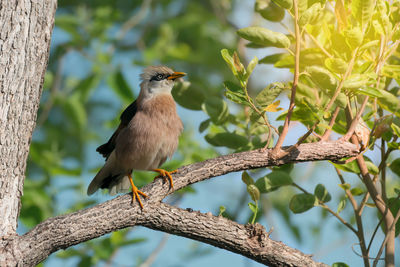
{"points": [[25, 34]]}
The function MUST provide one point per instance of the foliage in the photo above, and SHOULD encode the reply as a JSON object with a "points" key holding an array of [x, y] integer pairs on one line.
{"points": [[346, 66]]}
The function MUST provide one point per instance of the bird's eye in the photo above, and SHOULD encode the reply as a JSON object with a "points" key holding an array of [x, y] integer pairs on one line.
{"points": [[160, 77]]}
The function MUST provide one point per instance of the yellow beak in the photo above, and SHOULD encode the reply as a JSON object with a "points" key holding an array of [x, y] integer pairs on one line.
{"points": [[176, 75]]}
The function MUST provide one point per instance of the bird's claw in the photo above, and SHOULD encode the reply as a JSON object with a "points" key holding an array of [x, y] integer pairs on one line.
{"points": [[166, 174], [136, 192]]}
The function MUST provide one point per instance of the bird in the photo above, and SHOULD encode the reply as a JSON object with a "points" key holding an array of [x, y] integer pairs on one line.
{"points": [[147, 135]]}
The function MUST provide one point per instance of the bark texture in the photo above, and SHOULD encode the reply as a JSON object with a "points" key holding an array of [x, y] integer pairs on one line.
{"points": [[25, 32], [251, 241]]}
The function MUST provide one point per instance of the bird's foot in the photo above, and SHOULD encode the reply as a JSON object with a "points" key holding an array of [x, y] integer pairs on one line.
{"points": [[166, 174], [136, 192]]}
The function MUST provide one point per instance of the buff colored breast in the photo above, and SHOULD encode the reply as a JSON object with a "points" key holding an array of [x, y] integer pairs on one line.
{"points": [[151, 136]]}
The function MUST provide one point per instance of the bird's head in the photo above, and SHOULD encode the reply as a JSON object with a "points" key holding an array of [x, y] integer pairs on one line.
{"points": [[158, 80]]}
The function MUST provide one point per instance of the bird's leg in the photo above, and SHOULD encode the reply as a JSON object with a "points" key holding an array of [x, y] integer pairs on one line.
{"points": [[136, 192], [164, 174]]}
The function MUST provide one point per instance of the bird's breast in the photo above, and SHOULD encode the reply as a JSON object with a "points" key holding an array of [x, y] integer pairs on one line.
{"points": [[152, 135]]}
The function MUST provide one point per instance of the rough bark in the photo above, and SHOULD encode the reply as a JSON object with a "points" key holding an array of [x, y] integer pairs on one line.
{"points": [[25, 32], [68, 230]]}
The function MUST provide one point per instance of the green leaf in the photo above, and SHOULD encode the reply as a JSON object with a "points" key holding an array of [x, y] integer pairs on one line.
{"points": [[217, 109], [348, 167], [396, 129], [302, 202], [268, 95], [322, 78], [397, 191], [391, 71], [272, 59], [306, 91], [345, 186], [253, 192], [370, 91], [188, 95], [120, 86], [395, 166], [230, 140], [288, 167], [356, 191], [356, 81], [273, 181], [269, 10], [340, 264], [204, 125], [264, 37], [341, 100], [236, 98], [246, 178], [249, 70], [336, 65], [287, 61], [354, 37], [362, 11], [372, 169], [252, 207], [369, 45], [311, 15], [237, 64], [226, 55], [222, 209], [394, 145], [287, 4], [342, 205], [235, 93], [322, 193], [302, 5], [389, 102]]}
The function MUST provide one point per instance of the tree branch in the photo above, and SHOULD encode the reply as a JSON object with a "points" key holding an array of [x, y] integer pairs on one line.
{"points": [[251, 241]]}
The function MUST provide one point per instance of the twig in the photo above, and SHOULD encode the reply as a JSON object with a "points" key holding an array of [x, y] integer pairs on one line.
{"points": [[327, 133], [327, 208], [318, 44], [282, 136], [355, 121], [391, 229]]}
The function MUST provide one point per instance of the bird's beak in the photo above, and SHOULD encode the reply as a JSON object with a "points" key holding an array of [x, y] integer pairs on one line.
{"points": [[176, 75]]}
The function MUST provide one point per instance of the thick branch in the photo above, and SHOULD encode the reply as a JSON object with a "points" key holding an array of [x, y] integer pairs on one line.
{"points": [[64, 231]]}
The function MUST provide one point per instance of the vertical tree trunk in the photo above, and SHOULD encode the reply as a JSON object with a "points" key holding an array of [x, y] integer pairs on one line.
{"points": [[25, 34]]}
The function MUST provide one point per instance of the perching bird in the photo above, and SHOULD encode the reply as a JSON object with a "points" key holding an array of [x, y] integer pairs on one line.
{"points": [[147, 135]]}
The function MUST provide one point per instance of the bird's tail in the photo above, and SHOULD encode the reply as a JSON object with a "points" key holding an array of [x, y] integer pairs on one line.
{"points": [[116, 181], [98, 181]]}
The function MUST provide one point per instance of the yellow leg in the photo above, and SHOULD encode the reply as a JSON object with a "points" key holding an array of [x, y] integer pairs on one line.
{"points": [[136, 192], [164, 173]]}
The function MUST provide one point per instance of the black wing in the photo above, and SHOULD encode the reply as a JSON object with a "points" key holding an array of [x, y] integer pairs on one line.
{"points": [[125, 118]]}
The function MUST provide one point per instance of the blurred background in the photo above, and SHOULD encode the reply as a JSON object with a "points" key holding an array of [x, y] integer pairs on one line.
{"points": [[98, 50]]}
